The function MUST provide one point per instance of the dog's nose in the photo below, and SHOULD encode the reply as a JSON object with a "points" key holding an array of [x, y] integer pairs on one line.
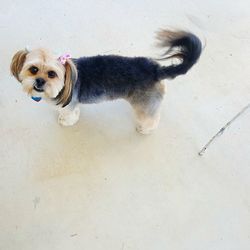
{"points": [[39, 82]]}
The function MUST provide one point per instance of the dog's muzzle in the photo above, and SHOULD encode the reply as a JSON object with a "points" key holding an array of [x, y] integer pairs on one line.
{"points": [[39, 84]]}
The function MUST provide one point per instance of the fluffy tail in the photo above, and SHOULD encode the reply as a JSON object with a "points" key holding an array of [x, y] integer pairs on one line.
{"points": [[182, 45]]}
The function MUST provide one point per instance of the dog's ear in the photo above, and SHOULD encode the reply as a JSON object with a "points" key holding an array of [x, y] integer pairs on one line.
{"points": [[17, 63], [65, 95]]}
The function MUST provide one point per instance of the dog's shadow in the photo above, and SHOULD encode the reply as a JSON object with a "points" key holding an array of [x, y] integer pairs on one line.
{"points": [[104, 137], [96, 140]]}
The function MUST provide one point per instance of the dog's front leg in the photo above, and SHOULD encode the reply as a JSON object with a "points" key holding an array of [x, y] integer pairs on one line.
{"points": [[69, 115]]}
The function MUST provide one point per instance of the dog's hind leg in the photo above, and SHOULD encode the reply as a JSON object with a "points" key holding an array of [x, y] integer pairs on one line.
{"points": [[146, 105]]}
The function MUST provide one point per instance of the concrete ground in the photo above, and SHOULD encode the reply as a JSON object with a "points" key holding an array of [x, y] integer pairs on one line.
{"points": [[100, 185]]}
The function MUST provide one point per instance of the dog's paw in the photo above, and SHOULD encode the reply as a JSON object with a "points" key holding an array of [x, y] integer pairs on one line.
{"points": [[147, 125], [144, 131], [69, 118]]}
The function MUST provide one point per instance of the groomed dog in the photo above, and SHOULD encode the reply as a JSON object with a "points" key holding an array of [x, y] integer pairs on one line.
{"points": [[68, 82]]}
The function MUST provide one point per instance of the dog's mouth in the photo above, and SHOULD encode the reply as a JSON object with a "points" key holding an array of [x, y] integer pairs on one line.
{"points": [[38, 89]]}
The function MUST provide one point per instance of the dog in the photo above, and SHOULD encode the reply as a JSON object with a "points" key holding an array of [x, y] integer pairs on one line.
{"points": [[69, 82]]}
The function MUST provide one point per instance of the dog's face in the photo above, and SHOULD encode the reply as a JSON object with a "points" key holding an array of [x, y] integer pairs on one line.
{"points": [[43, 75]]}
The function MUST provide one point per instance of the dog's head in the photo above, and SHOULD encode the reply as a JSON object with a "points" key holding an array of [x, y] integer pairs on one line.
{"points": [[44, 75]]}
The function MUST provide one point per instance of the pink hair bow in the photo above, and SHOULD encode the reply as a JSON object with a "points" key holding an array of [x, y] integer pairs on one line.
{"points": [[63, 58]]}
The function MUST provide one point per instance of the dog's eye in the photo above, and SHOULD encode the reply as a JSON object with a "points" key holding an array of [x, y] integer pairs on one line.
{"points": [[52, 74], [33, 70]]}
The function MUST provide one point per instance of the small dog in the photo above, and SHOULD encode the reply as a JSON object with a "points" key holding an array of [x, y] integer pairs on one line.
{"points": [[68, 82]]}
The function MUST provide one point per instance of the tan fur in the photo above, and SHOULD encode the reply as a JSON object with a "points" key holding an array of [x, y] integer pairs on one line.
{"points": [[161, 88], [70, 78], [17, 63], [164, 37]]}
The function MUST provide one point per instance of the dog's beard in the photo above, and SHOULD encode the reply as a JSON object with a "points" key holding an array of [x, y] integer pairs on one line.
{"points": [[52, 90], [49, 90], [28, 87]]}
